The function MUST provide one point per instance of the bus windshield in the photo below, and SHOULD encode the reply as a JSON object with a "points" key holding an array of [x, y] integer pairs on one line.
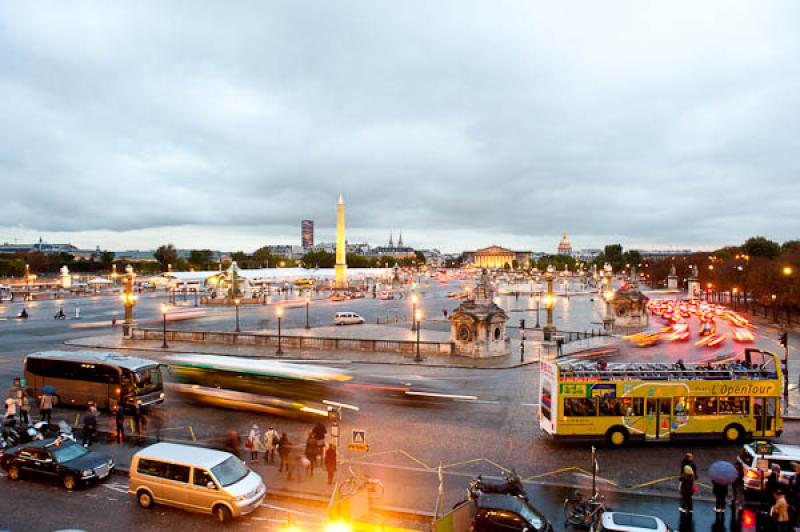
{"points": [[148, 380]]}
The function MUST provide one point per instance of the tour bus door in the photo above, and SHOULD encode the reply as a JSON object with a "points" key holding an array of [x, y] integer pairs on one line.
{"points": [[764, 409], [658, 418]]}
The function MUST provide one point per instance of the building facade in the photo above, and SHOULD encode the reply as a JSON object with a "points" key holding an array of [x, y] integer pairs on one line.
{"points": [[565, 247], [307, 234], [497, 257]]}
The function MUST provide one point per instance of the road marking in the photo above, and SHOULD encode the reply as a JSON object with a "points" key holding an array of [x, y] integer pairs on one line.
{"points": [[477, 401], [529, 404], [191, 431]]}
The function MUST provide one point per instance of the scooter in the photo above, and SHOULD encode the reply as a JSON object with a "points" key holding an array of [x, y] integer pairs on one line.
{"points": [[510, 485]]}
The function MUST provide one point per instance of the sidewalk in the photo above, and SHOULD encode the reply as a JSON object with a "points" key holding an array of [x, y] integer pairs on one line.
{"points": [[533, 352]]}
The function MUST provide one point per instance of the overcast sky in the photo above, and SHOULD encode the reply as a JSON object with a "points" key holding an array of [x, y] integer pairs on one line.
{"points": [[223, 124]]}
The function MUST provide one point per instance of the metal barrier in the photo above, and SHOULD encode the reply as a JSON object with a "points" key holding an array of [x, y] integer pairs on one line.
{"points": [[296, 342]]}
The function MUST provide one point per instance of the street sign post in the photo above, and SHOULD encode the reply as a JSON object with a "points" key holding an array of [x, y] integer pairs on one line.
{"points": [[359, 441]]}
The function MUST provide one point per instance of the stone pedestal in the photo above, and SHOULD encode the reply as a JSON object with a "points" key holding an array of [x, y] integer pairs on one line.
{"points": [[672, 282], [629, 305], [478, 325]]}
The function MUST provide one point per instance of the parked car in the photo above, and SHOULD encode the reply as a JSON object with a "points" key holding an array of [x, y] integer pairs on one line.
{"points": [[196, 479], [625, 522], [347, 318], [386, 295], [57, 458], [774, 453], [496, 512]]}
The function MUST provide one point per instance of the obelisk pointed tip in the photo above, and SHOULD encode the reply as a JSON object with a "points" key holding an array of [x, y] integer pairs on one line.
{"points": [[341, 200]]}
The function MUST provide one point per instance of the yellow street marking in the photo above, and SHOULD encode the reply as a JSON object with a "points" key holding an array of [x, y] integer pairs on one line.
{"points": [[77, 419], [410, 457], [656, 481], [191, 431]]}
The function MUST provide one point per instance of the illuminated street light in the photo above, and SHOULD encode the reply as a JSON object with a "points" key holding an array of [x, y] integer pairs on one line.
{"points": [[236, 302], [279, 314], [413, 310], [308, 301], [164, 310], [417, 320], [787, 270]]}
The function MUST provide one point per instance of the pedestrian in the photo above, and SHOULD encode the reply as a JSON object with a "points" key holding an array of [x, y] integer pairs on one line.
{"points": [[89, 425], [119, 418], [330, 462], [794, 495], [11, 411], [233, 444], [138, 418], [24, 407], [689, 460], [780, 512], [283, 452], [737, 501], [290, 458], [687, 487], [253, 442], [271, 438], [772, 484], [311, 453], [720, 495], [45, 406], [319, 431], [156, 419]]}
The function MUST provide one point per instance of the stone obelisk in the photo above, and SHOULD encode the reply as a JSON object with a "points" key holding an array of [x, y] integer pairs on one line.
{"points": [[341, 247]]}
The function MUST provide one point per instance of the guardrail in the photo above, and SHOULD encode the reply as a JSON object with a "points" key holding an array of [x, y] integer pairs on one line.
{"points": [[295, 342]]}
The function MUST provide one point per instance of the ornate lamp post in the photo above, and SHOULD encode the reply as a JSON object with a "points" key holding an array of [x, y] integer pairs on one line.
{"points": [[308, 301], [608, 296], [236, 304], [128, 301], [417, 320], [413, 311], [164, 310], [279, 314], [549, 303], [538, 298], [27, 282]]}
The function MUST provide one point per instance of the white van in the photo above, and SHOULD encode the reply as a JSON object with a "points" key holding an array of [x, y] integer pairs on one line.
{"points": [[195, 478], [347, 318]]}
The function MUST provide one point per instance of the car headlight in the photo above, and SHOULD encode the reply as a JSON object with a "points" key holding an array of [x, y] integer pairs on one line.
{"points": [[87, 473], [111, 463]]}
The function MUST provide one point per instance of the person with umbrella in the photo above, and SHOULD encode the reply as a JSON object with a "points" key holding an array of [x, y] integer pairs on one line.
{"points": [[722, 474]]}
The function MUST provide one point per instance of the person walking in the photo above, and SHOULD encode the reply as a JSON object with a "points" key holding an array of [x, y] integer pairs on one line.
{"points": [[253, 442], [119, 418], [780, 512], [687, 488], [11, 411], [689, 460], [138, 417], [271, 438], [155, 417], [89, 425], [45, 406], [772, 485], [737, 488], [330, 462], [233, 443], [720, 495], [311, 453], [24, 408], [283, 452]]}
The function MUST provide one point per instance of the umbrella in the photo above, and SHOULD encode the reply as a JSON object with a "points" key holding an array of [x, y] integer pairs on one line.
{"points": [[49, 389], [722, 472]]}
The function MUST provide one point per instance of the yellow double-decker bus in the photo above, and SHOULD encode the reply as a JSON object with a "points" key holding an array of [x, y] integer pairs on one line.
{"points": [[731, 399]]}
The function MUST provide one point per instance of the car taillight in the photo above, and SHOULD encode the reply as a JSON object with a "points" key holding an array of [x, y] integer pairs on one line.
{"points": [[751, 473], [748, 519]]}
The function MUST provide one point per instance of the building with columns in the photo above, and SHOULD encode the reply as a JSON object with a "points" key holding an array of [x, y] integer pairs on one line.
{"points": [[564, 247], [497, 257]]}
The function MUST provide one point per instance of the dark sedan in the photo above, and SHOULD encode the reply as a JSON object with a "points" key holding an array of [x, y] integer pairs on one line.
{"points": [[59, 459]]}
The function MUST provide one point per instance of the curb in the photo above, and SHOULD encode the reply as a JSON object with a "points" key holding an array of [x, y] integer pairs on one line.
{"points": [[77, 343]]}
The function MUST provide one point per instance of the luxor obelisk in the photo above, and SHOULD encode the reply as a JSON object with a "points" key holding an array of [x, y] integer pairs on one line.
{"points": [[341, 247]]}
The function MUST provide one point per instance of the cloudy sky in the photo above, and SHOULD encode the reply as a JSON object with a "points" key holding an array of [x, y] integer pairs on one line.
{"points": [[223, 124]]}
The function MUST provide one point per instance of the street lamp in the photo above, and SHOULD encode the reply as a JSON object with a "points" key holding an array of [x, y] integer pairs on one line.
{"points": [[279, 314], [418, 319], [538, 299], [734, 292], [787, 270], [128, 300], [164, 310], [236, 303], [413, 310], [308, 301]]}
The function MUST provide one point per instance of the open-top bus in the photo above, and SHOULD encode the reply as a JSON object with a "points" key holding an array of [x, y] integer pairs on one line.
{"points": [[729, 399]]}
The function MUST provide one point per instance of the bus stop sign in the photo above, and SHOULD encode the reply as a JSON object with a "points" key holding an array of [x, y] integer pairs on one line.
{"points": [[359, 442]]}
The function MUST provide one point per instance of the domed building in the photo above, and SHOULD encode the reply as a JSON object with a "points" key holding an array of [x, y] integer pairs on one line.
{"points": [[564, 247]]}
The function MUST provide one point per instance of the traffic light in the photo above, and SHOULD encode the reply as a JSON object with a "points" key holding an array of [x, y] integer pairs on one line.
{"points": [[784, 339]]}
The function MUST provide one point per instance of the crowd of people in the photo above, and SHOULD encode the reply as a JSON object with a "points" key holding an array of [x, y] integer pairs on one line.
{"points": [[296, 458]]}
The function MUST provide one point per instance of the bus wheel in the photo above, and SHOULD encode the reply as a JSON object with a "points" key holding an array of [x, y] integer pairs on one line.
{"points": [[734, 433], [617, 437]]}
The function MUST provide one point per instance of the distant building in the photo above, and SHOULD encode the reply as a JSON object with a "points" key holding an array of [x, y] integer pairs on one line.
{"points": [[658, 253], [564, 247], [433, 258], [40, 246], [287, 251], [587, 254], [307, 234], [398, 251], [497, 257]]}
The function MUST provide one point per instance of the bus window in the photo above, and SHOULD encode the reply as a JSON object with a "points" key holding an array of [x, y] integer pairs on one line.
{"points": [[703, 406], [664, 407], [580, 407], [633, 406], [679, 406], [612, 406], [734, 405]]}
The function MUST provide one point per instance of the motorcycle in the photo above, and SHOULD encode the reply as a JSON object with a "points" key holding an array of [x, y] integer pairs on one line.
{"points": [[510, 485]]}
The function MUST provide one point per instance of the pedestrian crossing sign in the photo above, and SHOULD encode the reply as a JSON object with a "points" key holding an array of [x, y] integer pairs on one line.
{"points": [[359, 442]]}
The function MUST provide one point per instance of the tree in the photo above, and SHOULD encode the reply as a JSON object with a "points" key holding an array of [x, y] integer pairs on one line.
{"points": [[200, 258], [166, 255], [319, 259], [106, 259], [264, 258], [758, 246], [632, 257], [613, 255]]}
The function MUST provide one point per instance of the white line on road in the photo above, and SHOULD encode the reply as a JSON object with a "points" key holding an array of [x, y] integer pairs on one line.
{"points": [[529, 404]]}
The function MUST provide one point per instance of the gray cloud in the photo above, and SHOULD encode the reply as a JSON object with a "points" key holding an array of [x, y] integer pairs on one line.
{"points": [[461, 123]]}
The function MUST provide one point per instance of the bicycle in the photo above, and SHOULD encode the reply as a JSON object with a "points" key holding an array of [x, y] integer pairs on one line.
{"points": [[358, 481], [583, 512]]}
